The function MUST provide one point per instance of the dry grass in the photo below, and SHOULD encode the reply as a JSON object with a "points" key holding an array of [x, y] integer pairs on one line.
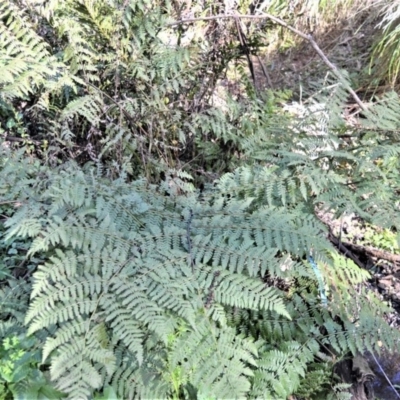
{"points": [[344, 29]]}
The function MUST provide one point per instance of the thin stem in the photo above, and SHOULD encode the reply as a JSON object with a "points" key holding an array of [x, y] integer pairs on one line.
{"points": [[386, 377]]}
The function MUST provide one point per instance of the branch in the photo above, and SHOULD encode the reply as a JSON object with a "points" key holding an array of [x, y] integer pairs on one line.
{"points": [[373, 252], [214, 17], [7, 138], [344, 250], [350, 250], [278, 21]]}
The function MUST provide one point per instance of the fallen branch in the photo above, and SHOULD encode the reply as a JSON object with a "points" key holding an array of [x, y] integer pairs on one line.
{"points": [[373, 252], [350, 250], [342, 247]]}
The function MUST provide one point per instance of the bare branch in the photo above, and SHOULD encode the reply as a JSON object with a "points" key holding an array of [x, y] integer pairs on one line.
{"points": [[278, 21]]}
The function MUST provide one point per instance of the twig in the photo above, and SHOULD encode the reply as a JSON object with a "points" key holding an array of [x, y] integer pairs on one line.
{"points": [[9, 202], [278, 21], [245, 48], [336, 72], [22, 140], [386, 377], [214, 17], [265, 72]]}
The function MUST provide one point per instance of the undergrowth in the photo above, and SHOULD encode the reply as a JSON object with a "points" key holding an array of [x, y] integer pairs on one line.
{"points": [[159, 235]]}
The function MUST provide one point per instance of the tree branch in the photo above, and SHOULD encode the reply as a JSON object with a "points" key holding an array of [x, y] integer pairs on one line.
{"points": [[278, 21]]}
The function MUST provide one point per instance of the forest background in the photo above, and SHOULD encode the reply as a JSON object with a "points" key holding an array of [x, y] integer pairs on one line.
{"points": [[199, 199]]}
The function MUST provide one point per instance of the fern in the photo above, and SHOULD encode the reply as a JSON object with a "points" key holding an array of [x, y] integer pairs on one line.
{"points": [[159, 290], [26, 61], [153, 289]]}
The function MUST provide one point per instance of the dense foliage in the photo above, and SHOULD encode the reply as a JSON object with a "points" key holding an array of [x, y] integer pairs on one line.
{"points": [[157, 226]]}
